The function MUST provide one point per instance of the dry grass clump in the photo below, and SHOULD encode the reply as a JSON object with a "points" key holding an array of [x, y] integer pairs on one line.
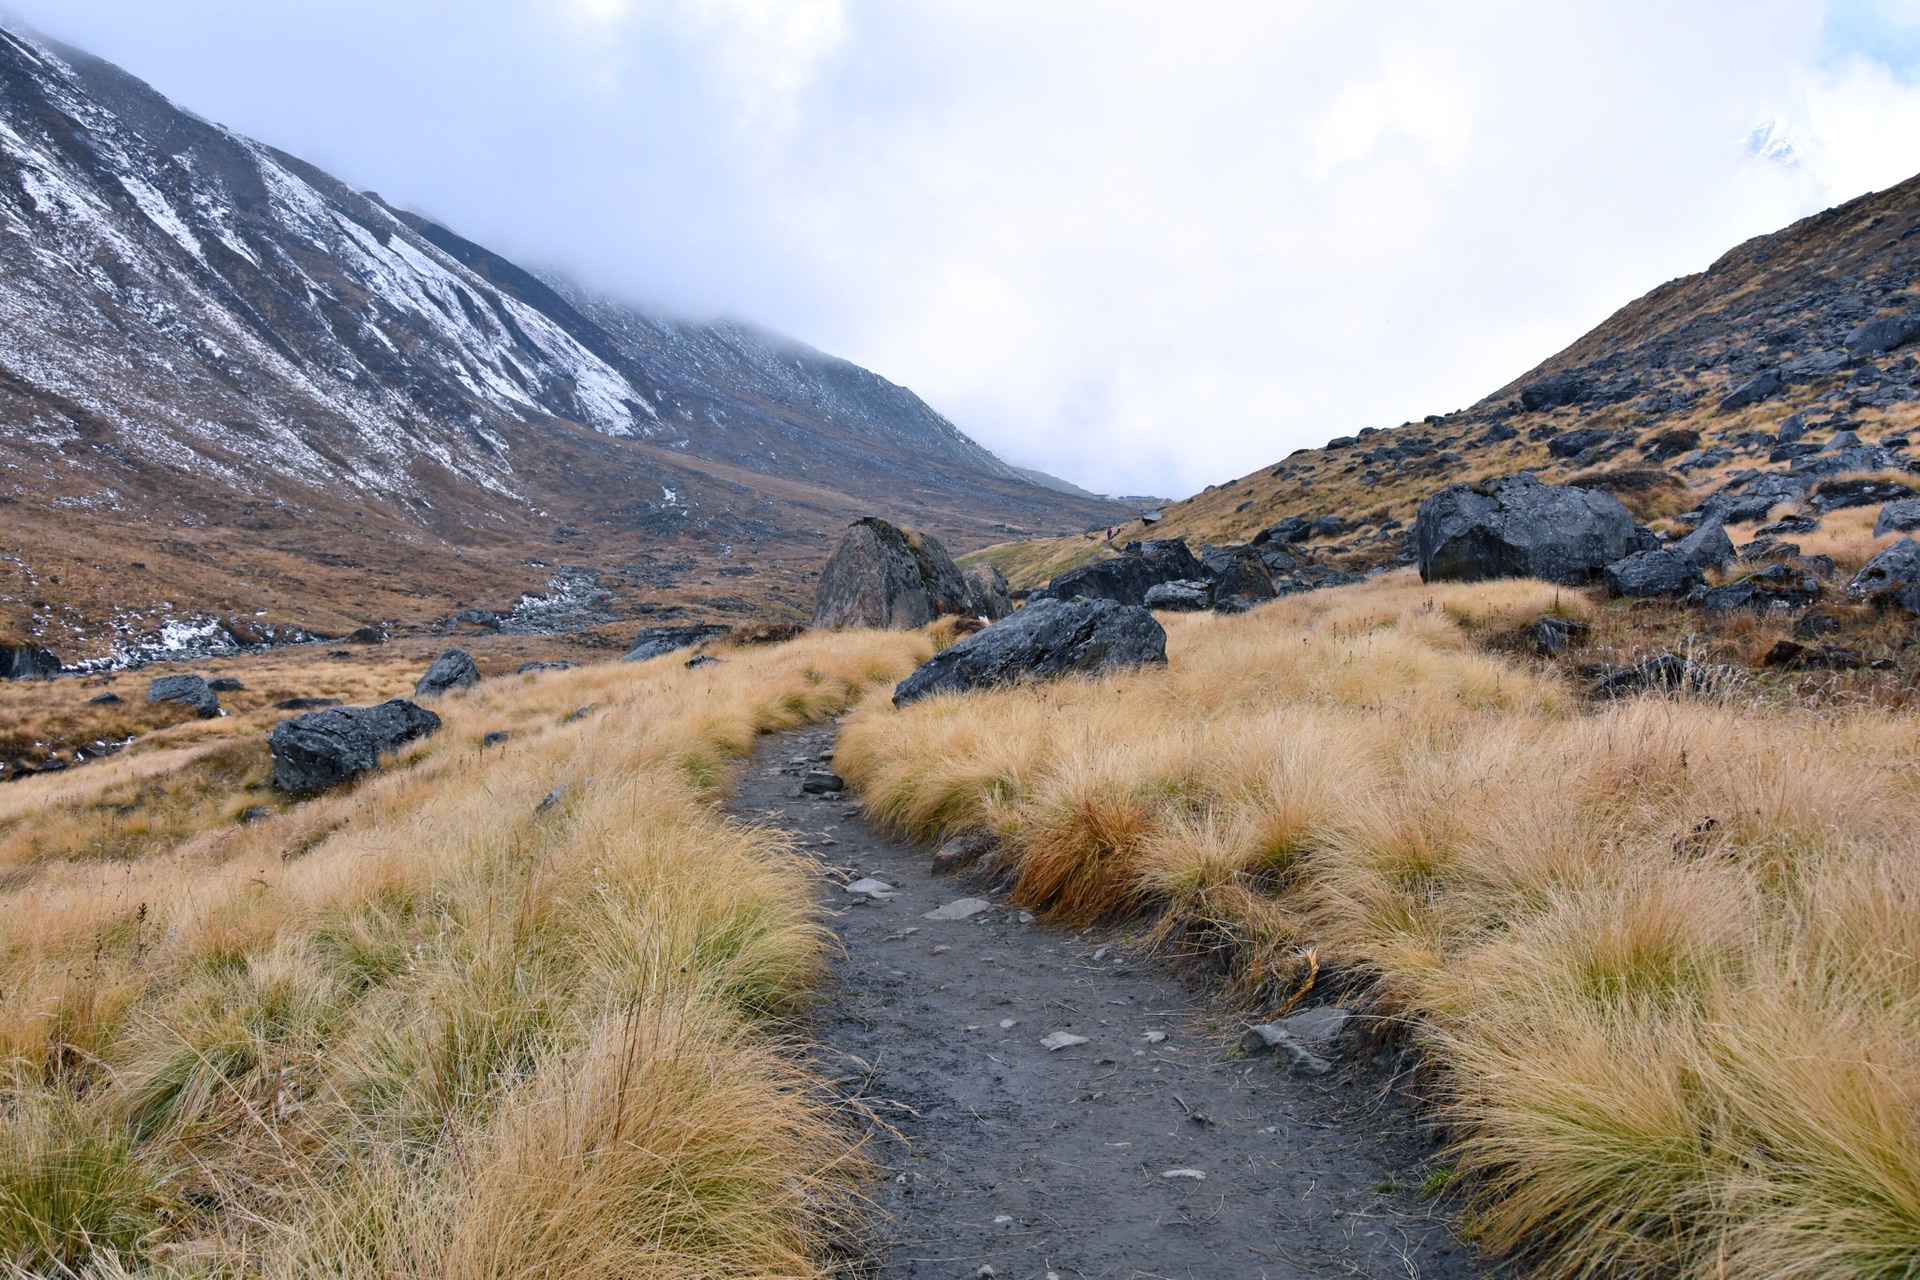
{"points": [[424, 1026], [1663, 951]]}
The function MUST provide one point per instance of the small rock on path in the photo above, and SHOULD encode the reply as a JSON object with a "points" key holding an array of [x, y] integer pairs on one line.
{"points": [[1052, 1098]]}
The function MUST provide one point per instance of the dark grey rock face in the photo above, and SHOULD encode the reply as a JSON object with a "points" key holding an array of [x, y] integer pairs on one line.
{"points": [[1876, 336], [1760, 387], [1048, 638], [1574, 443], [1520, 528], [1837, 495], [884, 576], [1127, 577], [1180, 597], [453, 669], [1239, 575], [25, 662], [325, 748], [188, 691], [1653, 573], [1662, 673], [987, 593], [1898, 517], [651, 642], [1707, 547], [1891, 578], [1778, 586]]}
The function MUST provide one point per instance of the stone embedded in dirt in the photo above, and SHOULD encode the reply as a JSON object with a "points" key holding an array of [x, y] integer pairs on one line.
{"points": [[1573, 443], [651, 642], [305, 704], [188, 691], [1196, 1174], [1048, 638], [1127, 577], [1788, 524], [1836, 495], [530, 668], [1663, 672], [701, 660], [104, 699], [26, 662], [1652, 573], [493, 737], [1519, 528], [551, 799], [1180, 597], [1552, 634], [1055, 1041], [987, 592], [868, 887], [885, 576], [365, 635], [225, 684], [959, 909], [818, 782], [1898, 517], [1795, 657], [962, 850], [1761, 386], [453, 669], [325, 748], [1891, 578], [1154, 1037]]}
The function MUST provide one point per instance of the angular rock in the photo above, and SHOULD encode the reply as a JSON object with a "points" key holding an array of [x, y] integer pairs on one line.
{"points": [[1891, 578], [325, 748], [1181, 597], [1300, 1036], [1127, 577], [1877, 336], [1048, 638], [1707, 547], [26, 662], [1240, 577], [188, 691], [868, 887], [104, 699], [1835, 495], [305, 704], [1520, 528], [1552, 634], [1055, 1041], [1572, 444], [1778, 586], [1291, 530], [651, 642], [453, 669], [884, 576], [531, 668], [1653, 573], [963, 850], [1791, 523], [225, 684], [1795, 657], [820, 782], [1763, 385], [959, 909], [987, 592], [1902, 516]]}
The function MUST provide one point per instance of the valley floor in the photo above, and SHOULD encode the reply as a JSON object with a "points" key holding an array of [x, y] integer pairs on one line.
{"points": [[996, 1152]]}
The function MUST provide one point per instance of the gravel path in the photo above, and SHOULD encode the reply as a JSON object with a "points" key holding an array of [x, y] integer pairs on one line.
{"points": [[1025, 1163]]}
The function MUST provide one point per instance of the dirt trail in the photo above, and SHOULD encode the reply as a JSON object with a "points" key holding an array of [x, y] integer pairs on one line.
{"points": [[1041, 1164]]}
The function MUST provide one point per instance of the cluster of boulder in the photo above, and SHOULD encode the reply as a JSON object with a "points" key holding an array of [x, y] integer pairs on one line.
{"points": [[326, 747], [1163, 573]]}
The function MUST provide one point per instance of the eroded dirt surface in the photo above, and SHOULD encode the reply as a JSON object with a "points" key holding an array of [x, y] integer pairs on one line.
{"points": [[1043, 1163]]}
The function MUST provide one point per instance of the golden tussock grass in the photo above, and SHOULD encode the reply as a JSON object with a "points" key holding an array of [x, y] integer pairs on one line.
{"points": [[421, 1026], [1662, 951]]}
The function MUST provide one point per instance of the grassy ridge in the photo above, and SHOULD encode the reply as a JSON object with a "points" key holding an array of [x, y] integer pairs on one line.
{"points": [[1663, 951], [421, 1027]]}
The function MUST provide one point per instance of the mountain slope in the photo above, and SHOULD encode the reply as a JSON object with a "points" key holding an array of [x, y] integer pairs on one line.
{"points": [[222, 364], [1693, 381]]}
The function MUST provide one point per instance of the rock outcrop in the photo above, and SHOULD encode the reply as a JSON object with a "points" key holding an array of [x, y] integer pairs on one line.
{"points": [[453, 669], [1127, 577], [326, 748], [1653, 573], [188, 691], [1891, 578], [884, 576], [1047, 639], [1519, 528], [26, 662]]}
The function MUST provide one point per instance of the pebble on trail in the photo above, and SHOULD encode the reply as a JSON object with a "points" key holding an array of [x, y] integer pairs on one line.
{"points": [[1061, 1040], [960, 909]]}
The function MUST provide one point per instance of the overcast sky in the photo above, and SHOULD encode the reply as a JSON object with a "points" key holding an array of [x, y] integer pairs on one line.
{"points": [[1145, 246]]}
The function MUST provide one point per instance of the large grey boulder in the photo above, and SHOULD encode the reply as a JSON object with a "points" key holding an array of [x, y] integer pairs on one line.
{"points": [[1876, 336], [1127, 577], [188, 691], [452, 670], [325, 748], [1707, 547], [1519, 528], [1239, 575], [884, 576], [1653, 573], [651, 642], [1891, 578], [1048, 638], [26, 662], [1898, 517], [1180, 597], [987, 592]]}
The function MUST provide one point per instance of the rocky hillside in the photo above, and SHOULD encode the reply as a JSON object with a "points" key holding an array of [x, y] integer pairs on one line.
{"points": [[1687, 396], [237, 393]]}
